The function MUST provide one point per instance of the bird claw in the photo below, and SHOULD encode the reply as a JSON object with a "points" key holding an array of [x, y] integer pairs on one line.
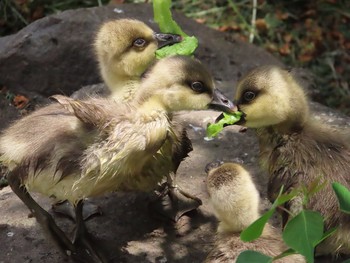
{"points": [[66, 209], [172, 202]]}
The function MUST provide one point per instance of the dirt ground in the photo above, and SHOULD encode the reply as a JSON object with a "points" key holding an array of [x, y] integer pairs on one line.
{"points": [[127, 229], [131, 232]]}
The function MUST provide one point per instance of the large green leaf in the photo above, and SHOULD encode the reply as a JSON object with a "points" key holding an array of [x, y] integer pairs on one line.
{"points": [[343, 195], [253, 257], [303, 232], [254, 231], [327, 234], [285, 253]]}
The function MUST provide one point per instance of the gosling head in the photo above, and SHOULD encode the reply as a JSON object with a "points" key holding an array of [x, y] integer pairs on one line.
{"points": [[182, 83], [269, 96], [125, 48], [233, 196]]}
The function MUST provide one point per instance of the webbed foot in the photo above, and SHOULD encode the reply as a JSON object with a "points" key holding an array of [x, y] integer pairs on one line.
{"points": [[87, 249], [173, 202], [90, 209]]}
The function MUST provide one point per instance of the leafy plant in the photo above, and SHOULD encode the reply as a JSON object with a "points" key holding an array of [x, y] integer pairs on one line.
{"points": [[213, 129], [163, 17], [252, 256], [343, 195], [302, 233]]}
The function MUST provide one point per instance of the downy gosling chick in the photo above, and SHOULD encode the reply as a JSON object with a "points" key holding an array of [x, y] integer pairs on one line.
{"points": [[235, 201], [74, 149], [125, 49], [295, 148]]}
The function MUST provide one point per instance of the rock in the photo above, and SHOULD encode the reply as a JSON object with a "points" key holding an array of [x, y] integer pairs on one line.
{"points": [[54, 54]]}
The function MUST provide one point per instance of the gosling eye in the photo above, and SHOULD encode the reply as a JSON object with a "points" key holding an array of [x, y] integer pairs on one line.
{"points": [[140, 42], [197, 86], [249, 96]]}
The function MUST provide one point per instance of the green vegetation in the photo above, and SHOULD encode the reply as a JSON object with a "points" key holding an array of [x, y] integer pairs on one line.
{"points": [[214, 129], [310, 34], [302, 233], [163, 17], [16, 14]]}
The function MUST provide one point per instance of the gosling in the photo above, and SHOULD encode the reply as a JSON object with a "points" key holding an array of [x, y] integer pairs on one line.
{"points": [[125, 49], [74, 149], [235, 201], [296, 149]]}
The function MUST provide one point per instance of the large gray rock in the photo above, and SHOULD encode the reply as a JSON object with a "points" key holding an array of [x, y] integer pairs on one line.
{"points": [[55, 55]]}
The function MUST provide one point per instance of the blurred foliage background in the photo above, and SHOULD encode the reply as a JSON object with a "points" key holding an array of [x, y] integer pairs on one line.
{"points": [[311, 34]]}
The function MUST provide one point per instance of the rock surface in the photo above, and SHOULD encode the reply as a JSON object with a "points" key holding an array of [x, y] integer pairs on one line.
{"points": [[54, 55]]}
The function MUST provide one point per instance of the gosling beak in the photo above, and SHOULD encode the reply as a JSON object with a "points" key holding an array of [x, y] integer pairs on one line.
{"points": [[167, 39], [221, 103]]}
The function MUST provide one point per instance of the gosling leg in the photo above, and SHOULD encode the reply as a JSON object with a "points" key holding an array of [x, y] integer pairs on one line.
{"points": [[67, 210], [83, 241], [173, 202], [42, 216]]}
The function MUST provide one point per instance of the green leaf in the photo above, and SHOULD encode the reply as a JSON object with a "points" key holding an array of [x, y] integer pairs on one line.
{"points": [[229, 119], [283, 198], [303, 232], [164, 19], [285, 253], [255, 230], [186, 48], [343, 195], [327, 234], [253, 257]]}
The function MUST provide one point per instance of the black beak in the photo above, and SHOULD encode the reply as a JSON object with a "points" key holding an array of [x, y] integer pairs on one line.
{"points": [[212, 165], [221, 103], [167, 39]]}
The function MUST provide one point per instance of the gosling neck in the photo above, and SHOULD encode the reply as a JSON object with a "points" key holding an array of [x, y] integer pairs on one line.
{"points": [[151, 104], [290, 127], [121, 86], [295, 122]]}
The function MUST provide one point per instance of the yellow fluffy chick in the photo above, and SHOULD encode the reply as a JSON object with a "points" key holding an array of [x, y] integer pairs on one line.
{"points": [[74, 149], [125, 48], [296, 149], [236, 200]]}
